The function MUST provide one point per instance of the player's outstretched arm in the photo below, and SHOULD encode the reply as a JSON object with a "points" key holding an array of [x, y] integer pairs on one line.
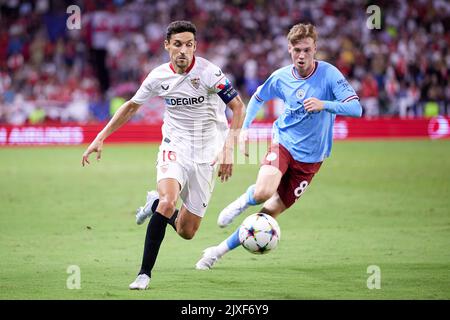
{"points": [[226, 163], [123, 114]]}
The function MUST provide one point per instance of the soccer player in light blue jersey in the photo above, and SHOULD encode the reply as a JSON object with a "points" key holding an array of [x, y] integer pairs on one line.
{"points": [[314, 92]]}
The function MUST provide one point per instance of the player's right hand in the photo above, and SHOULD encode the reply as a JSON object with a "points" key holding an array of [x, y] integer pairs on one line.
{"points": [[95, 146], [243, 142]]}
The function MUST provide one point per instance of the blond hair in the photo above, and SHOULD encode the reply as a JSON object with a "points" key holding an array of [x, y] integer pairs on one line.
{"points": [[301, 31]]}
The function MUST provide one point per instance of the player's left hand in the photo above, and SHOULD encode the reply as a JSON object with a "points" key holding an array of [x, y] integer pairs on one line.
{"points": [[313, 104], [226, 163]]}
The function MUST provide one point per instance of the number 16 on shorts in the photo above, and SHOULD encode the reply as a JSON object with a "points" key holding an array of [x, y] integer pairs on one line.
{"points": [[168, 155], [168, 166]]}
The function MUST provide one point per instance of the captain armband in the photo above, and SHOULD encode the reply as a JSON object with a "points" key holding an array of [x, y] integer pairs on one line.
{"points": [[226, 91]]}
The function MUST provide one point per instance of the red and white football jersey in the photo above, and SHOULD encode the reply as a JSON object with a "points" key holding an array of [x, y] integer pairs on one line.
{"points": [[195, 124]]}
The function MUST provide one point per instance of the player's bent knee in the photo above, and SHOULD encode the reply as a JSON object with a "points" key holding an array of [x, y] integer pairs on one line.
{"points": [[187, 234], [261, 195], [166, 206]]}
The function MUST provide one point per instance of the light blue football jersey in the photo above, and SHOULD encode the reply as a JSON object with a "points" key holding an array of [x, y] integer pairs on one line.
{"points": [[308, 136]]}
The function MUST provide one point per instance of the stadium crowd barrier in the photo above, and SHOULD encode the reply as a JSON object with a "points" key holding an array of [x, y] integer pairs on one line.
{"points": [[344, 128]]}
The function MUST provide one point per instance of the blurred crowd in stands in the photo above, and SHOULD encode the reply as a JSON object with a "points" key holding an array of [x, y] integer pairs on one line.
{"points": [[51, 73]]}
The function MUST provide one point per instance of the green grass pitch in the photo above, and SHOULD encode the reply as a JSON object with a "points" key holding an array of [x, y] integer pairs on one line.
{"points": [[382, 203]]}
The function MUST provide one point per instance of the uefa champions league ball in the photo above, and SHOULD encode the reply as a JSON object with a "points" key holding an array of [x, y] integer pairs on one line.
{"points": [[259, 233]]}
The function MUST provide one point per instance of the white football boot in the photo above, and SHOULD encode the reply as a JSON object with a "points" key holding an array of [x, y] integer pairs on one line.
{"points": [[141, 282], [234, 209], [208, 259], [145, 212]]}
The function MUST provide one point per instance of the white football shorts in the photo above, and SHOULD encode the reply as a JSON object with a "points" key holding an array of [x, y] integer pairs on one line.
{"points": [[196, 179]]}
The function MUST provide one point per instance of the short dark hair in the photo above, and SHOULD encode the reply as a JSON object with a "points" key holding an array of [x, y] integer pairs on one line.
{"points": [[179, 27]]}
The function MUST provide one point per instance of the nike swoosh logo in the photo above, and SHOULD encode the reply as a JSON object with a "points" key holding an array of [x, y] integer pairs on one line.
{"points": [[218, 74]]}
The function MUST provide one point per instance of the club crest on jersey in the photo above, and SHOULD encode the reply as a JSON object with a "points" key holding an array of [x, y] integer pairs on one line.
{"points": [[300, 93], [195, 83]]}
